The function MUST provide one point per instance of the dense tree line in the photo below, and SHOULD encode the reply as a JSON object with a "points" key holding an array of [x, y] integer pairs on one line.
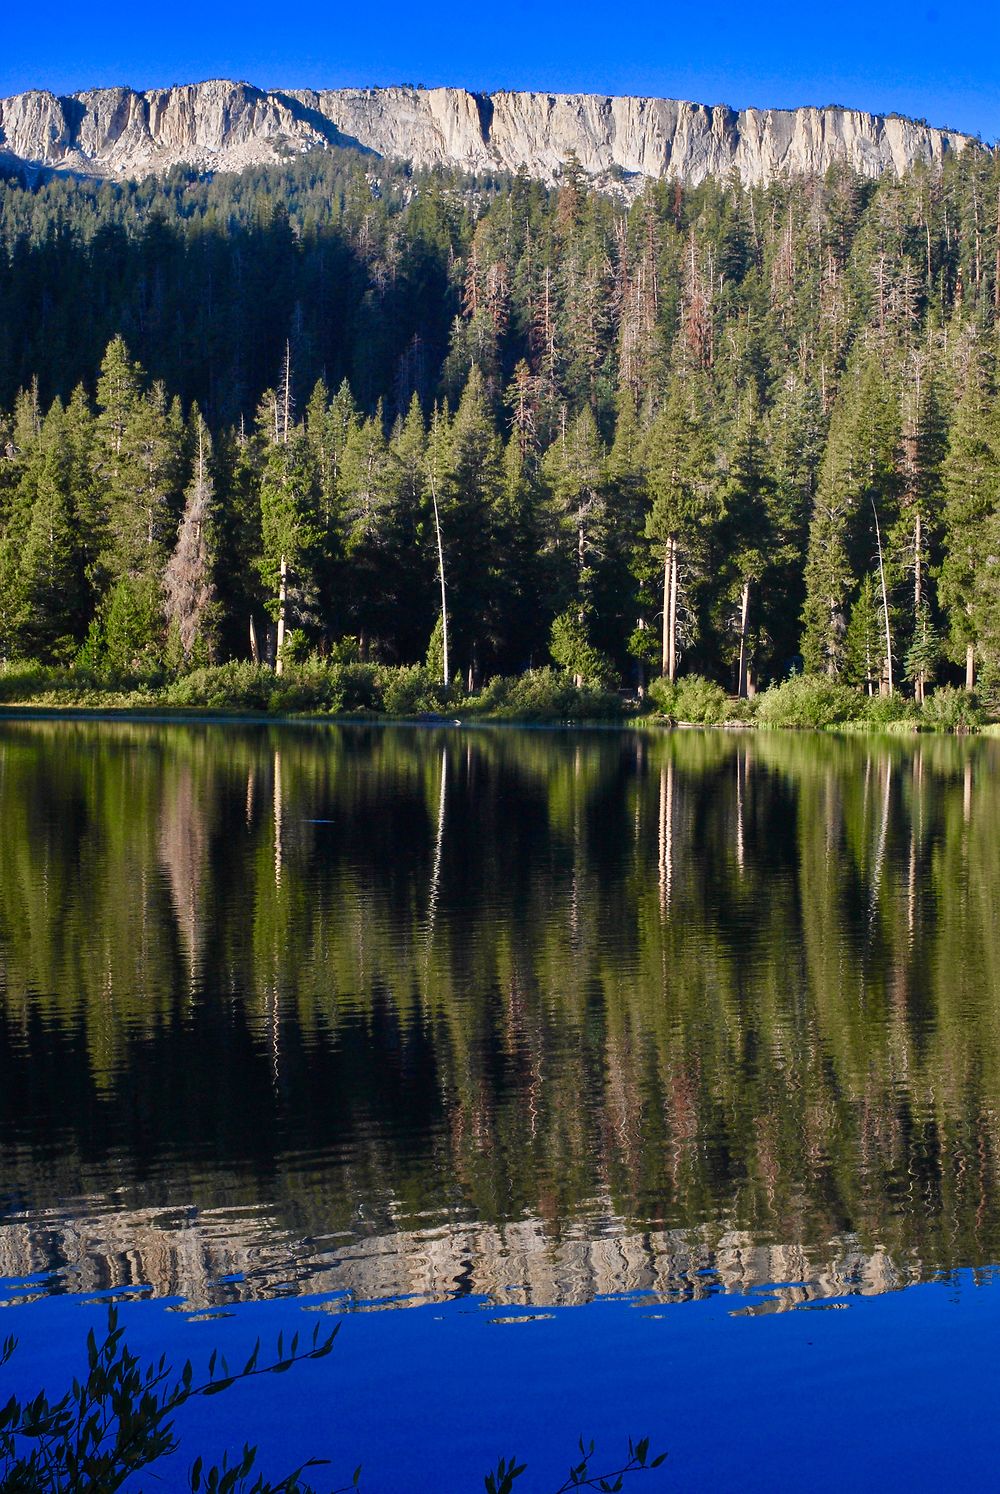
{"points": [[728, 429]]}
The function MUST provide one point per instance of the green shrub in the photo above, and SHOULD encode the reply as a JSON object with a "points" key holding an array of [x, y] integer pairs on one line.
{"points": [[333, 686], [544, 695], [23, 681], [358, 686], [237, 685], [808, 700], [888, 710], [950, 708], [411, 690], [692, 698], [56, 685], [663, 694], [314, 685], [305, 688]]}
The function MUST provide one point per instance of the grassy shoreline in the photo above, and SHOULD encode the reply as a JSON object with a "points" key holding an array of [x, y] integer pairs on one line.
{"points": [[159, 715], [324, 692]]}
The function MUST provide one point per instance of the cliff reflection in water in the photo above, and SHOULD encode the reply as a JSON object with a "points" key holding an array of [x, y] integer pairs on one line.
{"points": [[531, 1015]]}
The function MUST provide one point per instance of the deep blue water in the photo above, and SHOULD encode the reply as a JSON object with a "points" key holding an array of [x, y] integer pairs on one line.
{"points": [[890, 1392]]}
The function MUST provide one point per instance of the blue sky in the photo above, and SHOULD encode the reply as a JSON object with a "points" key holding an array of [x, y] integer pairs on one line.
{"points": [[928, 58]]}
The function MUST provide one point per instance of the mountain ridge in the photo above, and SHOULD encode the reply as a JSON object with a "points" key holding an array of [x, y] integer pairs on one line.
{"points": [[225, 125]]}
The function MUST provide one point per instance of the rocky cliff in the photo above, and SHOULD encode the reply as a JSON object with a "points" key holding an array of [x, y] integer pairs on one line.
{"points": [[223, 126]]}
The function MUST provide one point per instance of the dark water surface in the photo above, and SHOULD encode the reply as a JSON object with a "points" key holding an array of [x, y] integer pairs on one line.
{"points": [[535, 1035]]}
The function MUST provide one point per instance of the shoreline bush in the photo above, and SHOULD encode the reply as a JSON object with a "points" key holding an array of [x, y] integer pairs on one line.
{"points": [[333, 687], [343, 685], [693, 699], [808, 700], [951, 708]]}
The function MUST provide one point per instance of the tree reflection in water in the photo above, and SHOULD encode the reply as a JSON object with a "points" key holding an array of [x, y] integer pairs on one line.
{"points": [[531, 1014]]}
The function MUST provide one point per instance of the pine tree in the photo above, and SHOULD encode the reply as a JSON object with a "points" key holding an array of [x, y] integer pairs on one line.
{"points": [[289, 534], [414, 589], [857, 482], [80, 431], [23, 463], [864, 644], [575, 471], [970, 482], [471, 511], [50, 563], [746, 537], [922, 452], [924, 653], [189, 589], [139, 468], [373, 533], [677, 461]]}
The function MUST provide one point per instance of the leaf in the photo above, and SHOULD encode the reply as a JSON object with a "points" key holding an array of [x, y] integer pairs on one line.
{"points": [[218, 1386]]}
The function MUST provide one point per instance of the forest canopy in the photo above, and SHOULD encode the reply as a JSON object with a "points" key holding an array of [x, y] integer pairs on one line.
{"points": [[738, 431]]}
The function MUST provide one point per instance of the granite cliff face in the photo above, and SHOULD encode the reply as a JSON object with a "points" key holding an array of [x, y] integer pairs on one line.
{"points": [[224, 126]]}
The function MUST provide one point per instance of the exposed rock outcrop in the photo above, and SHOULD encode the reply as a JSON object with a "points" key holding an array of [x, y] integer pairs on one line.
{"points": [[224, 126]]}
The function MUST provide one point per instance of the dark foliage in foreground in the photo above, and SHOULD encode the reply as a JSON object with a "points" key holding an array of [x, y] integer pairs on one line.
{"points": [[118, 1420]]}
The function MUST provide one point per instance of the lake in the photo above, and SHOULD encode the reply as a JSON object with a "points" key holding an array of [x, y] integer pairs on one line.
{"points": [[603, 1082]]}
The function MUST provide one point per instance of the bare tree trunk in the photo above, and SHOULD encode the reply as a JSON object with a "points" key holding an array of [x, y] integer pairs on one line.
{"points": [[741, 682], [885, 602], [672, 654], [668, 576], [666, 848], [581, 560], [641, 625], [286, 394], [440, 551], [432, 899], [970, 666], [278, 808], [740, 770], [254, 641], [918, 539], [279, 663]]}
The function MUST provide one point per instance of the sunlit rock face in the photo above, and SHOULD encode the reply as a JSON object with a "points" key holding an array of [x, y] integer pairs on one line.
{"points": [[226, 126]]}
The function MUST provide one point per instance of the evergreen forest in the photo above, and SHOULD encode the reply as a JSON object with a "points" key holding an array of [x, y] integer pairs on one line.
{"points": [[342, 411]]}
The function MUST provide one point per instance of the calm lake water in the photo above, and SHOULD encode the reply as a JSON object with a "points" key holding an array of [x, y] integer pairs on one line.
{"points": [[652, 1079]]}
